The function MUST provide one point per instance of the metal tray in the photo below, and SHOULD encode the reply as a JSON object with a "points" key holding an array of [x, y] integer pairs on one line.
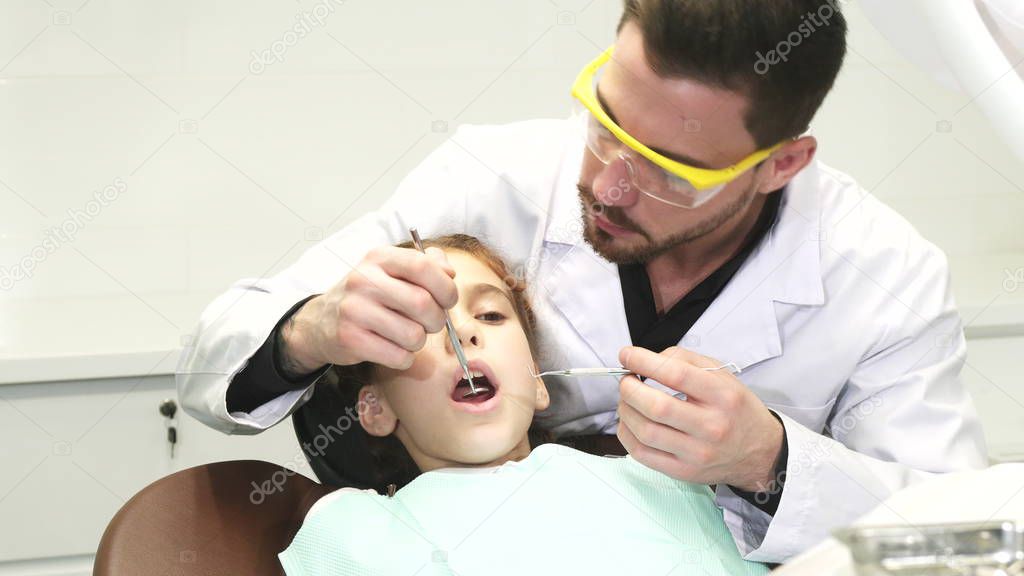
{"points": [[994, 548]]}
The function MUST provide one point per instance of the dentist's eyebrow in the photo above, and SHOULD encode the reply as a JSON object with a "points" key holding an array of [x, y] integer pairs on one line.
{"points": [[677, 157]]}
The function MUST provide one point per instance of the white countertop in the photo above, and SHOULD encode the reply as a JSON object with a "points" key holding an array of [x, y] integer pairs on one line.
{"points": [[88, 366], [94, 337]]}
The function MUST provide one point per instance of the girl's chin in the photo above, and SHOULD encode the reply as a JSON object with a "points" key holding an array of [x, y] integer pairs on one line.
{"points": [[488, 450]]}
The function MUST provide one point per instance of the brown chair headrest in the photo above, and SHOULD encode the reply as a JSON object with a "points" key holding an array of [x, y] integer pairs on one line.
{"points": [[222, 518]]}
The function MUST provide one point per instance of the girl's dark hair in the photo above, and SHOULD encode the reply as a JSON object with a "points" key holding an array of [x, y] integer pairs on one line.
{"points": [[373, 461]]}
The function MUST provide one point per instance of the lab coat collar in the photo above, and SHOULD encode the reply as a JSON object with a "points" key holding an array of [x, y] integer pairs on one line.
{"points": [[790, 256], [565, 219], [740, 326]]}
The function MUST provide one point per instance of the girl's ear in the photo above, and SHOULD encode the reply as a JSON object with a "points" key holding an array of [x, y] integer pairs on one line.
{"points": [[375, 414], [543, 400]]}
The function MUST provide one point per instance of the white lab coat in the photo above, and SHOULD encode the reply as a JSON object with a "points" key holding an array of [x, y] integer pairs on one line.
{"points": [[842, 321]]}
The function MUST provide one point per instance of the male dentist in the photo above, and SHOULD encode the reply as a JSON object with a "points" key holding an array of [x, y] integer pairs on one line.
{"points": [[679, 221]]}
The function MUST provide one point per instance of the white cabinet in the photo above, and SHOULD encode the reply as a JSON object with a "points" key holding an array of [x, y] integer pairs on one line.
{"points": [[71, 453]]}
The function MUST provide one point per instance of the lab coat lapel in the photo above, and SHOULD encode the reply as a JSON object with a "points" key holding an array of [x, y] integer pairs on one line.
{"points": [[581, 285], [585, 289], [741, 325]]}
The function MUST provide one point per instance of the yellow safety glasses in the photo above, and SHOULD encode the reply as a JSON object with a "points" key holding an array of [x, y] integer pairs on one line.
{"points": [[655, 175]]}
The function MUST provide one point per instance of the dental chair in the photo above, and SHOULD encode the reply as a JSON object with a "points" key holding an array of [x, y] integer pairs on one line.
{"points": [[228, 517], [221, 518]]}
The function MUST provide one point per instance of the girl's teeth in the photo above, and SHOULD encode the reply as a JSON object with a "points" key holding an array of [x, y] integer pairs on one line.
{"points": [[477, 374]]}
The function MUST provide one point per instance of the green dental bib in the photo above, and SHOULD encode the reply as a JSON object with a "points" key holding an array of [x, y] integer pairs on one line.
{"points": [[558, 511]]}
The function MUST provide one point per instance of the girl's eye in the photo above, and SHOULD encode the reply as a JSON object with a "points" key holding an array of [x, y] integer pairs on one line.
{"points": [[491, 316]]}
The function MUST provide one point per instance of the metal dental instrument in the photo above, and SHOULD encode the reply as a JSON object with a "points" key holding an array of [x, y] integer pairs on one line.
{"points": [[575, 372], [604, 371], [452, 336], [585, 372]]}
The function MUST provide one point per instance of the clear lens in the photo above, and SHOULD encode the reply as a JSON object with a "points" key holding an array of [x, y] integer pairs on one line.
{"points": [[600, 141], [648, 177]]}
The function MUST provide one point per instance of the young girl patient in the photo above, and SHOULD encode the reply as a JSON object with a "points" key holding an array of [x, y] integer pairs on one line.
{"points": [[473, 498]]}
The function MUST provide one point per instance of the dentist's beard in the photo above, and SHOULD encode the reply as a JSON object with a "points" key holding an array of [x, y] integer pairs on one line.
{"points": [[645, 247]]}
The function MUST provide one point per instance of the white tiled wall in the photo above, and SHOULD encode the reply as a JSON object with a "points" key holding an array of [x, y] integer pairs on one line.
{"points": [[928, 152], [232, 167]]}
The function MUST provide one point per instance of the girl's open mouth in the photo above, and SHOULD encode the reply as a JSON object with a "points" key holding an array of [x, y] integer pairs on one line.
{"points": [[484, 382], [483, 387]]}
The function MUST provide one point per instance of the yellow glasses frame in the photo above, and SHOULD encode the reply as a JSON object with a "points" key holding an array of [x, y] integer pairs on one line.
{"points": [[583, 89]]}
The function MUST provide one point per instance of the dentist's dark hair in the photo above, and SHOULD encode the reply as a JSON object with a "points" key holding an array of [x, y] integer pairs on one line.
{"points": [[375, 462], [738, 45]]}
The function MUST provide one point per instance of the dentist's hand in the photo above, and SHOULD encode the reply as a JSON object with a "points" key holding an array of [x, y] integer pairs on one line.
{"points": [[721, 434], [380, 312]]}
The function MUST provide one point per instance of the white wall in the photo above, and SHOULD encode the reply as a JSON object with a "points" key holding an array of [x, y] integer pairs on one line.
{"points": [[223, 168], [928, 152], [231, 173], [228, 173]]}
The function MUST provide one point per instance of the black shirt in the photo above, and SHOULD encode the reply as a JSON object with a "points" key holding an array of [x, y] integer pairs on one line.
{"points": [[261, 380], [653, 331]]}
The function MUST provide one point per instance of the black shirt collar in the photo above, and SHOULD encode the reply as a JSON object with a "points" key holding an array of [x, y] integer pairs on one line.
{"points": [[654, 332]]}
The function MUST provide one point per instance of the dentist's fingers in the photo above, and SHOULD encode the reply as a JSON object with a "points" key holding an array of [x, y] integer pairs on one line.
{"points": [[380, 311], [640, 401], [674, 368], [432, 272], [653, 458], [406, 298], [438, 255], [651, 433], [393, 326], [379, 350]]}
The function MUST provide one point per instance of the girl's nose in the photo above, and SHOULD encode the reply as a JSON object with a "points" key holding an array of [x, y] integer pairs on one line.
{"points": [[468, 340], [613, 186], [467, 331]]}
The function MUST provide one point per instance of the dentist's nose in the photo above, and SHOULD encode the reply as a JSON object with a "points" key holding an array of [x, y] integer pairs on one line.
{"points": [[613, 185]]}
